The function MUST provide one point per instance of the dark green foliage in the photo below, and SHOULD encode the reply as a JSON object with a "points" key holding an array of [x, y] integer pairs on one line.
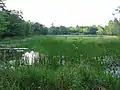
{"points": [[3, 22], [39, 29], [12, 24], [15, 25], [93, 30]]}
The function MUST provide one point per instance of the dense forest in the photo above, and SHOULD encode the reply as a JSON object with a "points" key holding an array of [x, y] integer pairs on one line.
{"points": [[13, 24]]}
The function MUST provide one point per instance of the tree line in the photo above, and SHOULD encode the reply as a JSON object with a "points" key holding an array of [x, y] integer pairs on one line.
{"points": [[13, 24]]}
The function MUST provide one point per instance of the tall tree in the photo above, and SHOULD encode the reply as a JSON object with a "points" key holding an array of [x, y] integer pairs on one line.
{"points": [[117, 21], [15, 23], [3, 17], [3, 22], [2, 5], [110, 28], [116, 26], [100, 30]]}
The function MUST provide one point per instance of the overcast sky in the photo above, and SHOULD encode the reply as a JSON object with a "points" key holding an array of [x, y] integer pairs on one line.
{"points": [[66, 12]]}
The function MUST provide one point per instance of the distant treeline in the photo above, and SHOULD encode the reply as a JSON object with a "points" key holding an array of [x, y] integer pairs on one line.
{"points": [[13, 24]]}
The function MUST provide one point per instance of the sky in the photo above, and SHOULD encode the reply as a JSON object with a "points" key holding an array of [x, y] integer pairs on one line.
{"points": [[66, 12]]}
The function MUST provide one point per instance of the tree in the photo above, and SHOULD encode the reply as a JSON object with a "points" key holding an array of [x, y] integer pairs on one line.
{"points": [[15, 23], [62, 30], [117, 11], [110, 28], [71, 30], [27, 27], [100, 30], [93, 29], [79, 29], [116, 26], [39, 29], [2, 5], [12, 24], [3, 22], [3, 18], [45, 31], [52, 30]]}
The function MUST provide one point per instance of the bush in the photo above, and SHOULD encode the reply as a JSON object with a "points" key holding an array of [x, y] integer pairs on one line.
{"points": [[79, 77]]}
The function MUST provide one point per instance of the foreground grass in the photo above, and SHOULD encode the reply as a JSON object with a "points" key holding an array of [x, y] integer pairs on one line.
{"points": [[62, 78], [84, 68]]}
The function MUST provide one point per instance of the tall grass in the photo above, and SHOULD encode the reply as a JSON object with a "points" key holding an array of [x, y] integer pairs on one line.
{"points": [[87, 59]]}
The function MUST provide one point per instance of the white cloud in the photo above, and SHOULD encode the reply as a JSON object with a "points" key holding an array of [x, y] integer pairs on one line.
{"points": [[66, 12]]}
